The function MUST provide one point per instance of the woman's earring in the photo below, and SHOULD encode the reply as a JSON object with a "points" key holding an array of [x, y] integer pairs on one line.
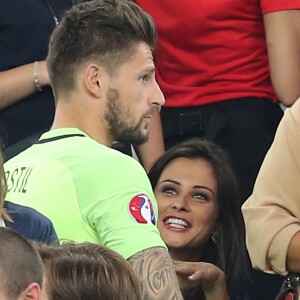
{"points": [[214, 238]]}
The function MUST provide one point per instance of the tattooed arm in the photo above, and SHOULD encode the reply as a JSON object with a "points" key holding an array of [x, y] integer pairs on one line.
{"points": [[155, 271]]}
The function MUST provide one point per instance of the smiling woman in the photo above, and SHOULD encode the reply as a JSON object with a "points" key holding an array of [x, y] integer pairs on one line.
{"points": [[200, 219], [188, 206]]}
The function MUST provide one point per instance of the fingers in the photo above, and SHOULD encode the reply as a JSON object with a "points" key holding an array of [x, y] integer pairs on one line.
{"points": [[205, 274], [208, 276], [197, 269]]}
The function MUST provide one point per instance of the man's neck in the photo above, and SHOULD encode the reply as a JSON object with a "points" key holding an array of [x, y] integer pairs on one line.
{"points": [[68, 117]]}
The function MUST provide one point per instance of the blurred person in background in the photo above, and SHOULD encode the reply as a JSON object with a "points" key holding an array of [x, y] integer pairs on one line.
{"points": [[26, 98]]}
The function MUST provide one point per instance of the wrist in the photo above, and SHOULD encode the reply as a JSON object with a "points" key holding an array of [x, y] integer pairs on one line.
{"points": [[35, 75]]}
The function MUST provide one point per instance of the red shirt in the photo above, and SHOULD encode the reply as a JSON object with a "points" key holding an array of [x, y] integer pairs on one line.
{"points": [[212, 50]]}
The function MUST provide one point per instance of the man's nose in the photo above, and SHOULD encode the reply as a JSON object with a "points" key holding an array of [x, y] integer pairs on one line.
{"points": [[158, 96]]}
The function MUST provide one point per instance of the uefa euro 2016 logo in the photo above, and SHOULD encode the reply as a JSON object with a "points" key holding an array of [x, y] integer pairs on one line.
{"points": [[141, 209]]}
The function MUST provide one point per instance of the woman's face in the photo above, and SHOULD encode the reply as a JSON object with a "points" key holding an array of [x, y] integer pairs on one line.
{"points": [[186, 193]]}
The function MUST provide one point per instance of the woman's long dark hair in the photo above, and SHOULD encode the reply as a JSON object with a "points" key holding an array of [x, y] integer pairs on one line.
{"points": [[229, 253]]}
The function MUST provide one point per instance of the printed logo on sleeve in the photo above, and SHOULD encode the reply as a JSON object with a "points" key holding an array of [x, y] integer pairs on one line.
{"points": [[141, 209]]}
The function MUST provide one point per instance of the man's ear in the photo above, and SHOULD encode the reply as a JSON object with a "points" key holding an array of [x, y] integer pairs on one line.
{"points": [[93, 79], [32, 292]]}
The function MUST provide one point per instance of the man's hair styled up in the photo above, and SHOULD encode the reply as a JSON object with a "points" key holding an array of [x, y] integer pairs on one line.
{"points": [[100, 31]]}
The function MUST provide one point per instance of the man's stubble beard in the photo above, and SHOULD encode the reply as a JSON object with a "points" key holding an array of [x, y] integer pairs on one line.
{"points": [[119, 118]]}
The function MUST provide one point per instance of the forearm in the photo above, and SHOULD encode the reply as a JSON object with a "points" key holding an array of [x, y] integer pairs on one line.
{"points": [[293, 254], [283, 41], [150, 151], [155, 271], [17, 83]]}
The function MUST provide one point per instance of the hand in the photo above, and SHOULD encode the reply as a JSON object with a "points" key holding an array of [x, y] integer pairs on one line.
{"points": [[208, 276]]}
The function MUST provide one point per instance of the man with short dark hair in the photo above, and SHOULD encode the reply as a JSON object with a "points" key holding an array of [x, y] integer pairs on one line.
{"points": [[101, 68], [21, 268]]}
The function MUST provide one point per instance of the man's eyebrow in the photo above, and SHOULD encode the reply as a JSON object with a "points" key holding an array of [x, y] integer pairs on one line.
{"points": [[149, 69]]}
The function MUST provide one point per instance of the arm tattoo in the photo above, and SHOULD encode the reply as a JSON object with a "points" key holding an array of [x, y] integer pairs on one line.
{"points": [[155, 271]]}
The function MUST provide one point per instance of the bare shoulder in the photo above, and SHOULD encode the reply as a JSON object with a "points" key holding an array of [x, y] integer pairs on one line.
{"points": [[155, 271]]}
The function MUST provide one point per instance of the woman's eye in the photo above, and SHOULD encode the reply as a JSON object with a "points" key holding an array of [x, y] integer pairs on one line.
{"points": [[201, 197], [168, 190]]}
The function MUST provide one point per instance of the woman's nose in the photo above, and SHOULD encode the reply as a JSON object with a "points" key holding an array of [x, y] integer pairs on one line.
{"points": [[179, 205]]}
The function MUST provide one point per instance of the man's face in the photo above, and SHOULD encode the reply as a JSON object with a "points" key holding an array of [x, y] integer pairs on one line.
{"points": [[133, 97]]}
